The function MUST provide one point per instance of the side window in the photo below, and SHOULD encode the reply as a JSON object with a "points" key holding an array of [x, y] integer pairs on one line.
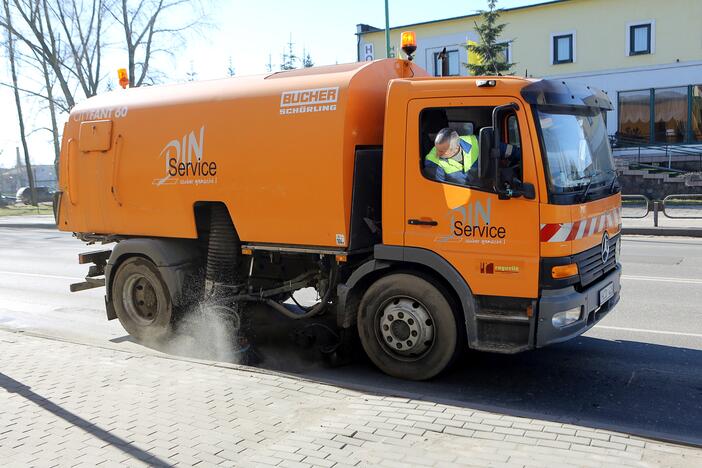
{"points": [[513, 131], [450, 149], [511, 162]]}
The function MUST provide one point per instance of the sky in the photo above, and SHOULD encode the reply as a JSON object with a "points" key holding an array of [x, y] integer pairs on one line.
{"points": [[247, 33]]}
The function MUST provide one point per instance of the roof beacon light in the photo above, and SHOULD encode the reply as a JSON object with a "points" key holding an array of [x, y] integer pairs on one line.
{"points": [[409, 43], [123, 78]]}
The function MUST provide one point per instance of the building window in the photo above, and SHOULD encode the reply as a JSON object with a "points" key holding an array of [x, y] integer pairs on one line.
{"points": [[640, 39], [661, 116], [563, 49], [453, 63], [696, 113], [670, 115], [504, 55], [635, 116]]}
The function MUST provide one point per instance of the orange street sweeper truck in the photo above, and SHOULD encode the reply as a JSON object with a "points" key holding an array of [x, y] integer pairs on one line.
{"points": [[248, 189]]}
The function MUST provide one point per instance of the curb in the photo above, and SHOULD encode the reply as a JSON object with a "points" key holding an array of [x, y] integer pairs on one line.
{"points": [[663, 231], [29, 225]]}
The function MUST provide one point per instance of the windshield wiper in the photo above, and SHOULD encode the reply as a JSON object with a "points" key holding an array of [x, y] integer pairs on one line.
{"points": [[592, 176], [583, 197]]}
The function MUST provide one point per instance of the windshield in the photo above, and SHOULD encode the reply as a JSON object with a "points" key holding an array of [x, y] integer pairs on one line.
{"points": [[577, 149]]}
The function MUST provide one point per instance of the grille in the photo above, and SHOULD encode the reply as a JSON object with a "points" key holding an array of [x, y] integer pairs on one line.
{"points": [[590, 263]]}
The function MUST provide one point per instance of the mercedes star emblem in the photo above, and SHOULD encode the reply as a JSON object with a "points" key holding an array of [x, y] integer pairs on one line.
{"points": [[605, 247]]}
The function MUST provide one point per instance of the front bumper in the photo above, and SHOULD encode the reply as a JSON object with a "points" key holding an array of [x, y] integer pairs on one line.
{"points": [[557, 300]]}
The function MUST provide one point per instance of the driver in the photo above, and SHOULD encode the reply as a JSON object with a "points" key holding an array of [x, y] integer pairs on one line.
{"points": [[452, 159]]}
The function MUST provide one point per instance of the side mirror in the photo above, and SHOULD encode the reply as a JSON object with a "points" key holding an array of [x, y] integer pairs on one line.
{"points": [[485, 141], [528, 191], [518, 189], [504, 191]]}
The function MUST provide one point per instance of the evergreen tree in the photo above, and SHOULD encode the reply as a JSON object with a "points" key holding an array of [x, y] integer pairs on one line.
{"points": [[307, 59], [492, 54], [289, 59], [192, 74]]}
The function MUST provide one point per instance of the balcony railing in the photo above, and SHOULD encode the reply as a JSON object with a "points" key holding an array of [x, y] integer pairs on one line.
{"points": [[634, 150]]}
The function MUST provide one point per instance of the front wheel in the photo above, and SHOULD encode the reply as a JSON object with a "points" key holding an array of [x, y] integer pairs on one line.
{"points": [[141, 299], [407, 327]]}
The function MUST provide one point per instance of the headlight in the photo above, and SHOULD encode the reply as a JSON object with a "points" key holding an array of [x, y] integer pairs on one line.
{"points": [[561, 319], [618, 250]]}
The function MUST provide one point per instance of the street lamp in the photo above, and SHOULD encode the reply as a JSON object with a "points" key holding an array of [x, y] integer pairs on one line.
{"points": [[387, 31]]}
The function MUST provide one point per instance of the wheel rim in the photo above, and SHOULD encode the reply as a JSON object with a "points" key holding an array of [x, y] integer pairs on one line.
{"points": [[140, 300], [405, 328]]}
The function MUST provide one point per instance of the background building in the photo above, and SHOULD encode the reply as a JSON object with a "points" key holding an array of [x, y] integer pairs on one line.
{"points": [[646, 54]]}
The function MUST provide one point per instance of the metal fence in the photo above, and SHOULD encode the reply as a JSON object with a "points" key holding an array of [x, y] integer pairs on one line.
{"points": [[683, 206], [679, 206]]}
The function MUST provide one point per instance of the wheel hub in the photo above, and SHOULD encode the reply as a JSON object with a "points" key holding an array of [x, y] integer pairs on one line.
{"points": [[405, 326], [140, 299]]}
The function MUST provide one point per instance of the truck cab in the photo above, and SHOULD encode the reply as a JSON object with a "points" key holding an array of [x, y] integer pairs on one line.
{"points": [[531, 240]]}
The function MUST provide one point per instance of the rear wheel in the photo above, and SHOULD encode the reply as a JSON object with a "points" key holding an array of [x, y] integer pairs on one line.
{"points": [[141, 300], [407, 327]]}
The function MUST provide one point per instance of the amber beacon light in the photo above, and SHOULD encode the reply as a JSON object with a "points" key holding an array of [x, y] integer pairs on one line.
{"points": [[409, 43], [123, 78]]}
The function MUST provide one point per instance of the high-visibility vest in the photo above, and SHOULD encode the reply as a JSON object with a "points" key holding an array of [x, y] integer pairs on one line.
{"points": [[469, 146]]}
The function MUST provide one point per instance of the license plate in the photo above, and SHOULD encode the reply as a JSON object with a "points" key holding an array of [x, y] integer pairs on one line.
{"points": [[606, 293]]}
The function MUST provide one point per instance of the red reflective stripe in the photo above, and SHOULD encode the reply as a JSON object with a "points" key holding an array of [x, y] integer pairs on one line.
{"points": [[573, 231], [548, 231], [591, 226]]}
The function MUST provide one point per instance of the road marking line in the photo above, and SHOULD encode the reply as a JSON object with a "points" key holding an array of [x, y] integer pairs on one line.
{"points": [[663, 279], [38, 275], [655, 332]]}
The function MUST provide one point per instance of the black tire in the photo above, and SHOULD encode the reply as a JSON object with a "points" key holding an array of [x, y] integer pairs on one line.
{"points": [[388, 318], [141, 300]]}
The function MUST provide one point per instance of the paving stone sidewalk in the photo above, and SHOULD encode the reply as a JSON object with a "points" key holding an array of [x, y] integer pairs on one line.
{"points": [[65, 404]]}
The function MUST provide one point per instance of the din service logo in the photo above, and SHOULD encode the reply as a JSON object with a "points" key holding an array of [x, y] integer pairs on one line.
{"points": [[471, 224], [309, 100], [185, 163]]}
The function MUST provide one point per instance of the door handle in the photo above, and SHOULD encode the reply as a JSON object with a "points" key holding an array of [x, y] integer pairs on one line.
{"points": [[422, 222]]}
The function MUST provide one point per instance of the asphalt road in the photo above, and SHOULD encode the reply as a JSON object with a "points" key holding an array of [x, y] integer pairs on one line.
{"points": [[639, 370]]}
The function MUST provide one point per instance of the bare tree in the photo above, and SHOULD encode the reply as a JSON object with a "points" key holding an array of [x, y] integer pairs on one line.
{"points": [[60, 45], [149, 30], [18, 103], [82, 23], [49, 86], [67, 36]]}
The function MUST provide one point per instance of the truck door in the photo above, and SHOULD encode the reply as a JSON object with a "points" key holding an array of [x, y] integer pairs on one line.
{"points": [[492, 243]]}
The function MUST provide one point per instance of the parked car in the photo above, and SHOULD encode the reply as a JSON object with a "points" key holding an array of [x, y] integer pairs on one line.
{"points": [[43, 194], [5, 201]]}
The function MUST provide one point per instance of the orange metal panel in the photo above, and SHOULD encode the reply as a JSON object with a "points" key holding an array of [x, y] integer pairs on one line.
{"points": [[95, 135], [277, 150]]}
